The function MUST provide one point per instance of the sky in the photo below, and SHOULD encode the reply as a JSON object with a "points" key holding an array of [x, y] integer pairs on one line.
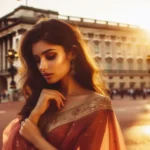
{"points": [[135, 12]]}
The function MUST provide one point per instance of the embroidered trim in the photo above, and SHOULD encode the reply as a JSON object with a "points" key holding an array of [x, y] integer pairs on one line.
{"points": [[81, 111]]}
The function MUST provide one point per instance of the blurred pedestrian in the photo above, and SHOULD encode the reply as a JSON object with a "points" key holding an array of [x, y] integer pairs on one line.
{"points": [[144, 93]]}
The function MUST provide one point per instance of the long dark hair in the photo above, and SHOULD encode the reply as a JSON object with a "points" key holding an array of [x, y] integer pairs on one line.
{"points": [[55, 32]]}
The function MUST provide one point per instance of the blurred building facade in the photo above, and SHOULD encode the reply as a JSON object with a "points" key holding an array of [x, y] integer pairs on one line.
{"points": [[122, 50]]}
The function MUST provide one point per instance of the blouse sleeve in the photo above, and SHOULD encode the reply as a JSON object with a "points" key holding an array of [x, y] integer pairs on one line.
{"points": [[103, 133], [12, 140]]}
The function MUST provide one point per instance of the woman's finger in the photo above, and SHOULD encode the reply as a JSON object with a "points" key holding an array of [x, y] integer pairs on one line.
{"points": [[58, 104], [60, 94], [62, 103], [59, 101]]}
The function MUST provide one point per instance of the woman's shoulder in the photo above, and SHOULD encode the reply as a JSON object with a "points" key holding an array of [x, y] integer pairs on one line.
{"points": [[99, 101]]}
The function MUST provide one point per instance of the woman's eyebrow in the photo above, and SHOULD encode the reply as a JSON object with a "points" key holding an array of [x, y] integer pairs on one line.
{"points": [[46, 51]]}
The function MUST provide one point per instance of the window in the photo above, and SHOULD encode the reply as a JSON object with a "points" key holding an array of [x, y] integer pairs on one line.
{"points": [[109, 65], [120, 65], [140, 66], [121, 77], [130, 65], [111, 85], [107, 45], [96, 47], [131, 77], [110, 77], [141, 77], [132, 85], [122, 85], [142, 84]]}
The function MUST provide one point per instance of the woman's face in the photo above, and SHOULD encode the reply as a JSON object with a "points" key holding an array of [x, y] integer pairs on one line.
{"points": [[52, 61]]}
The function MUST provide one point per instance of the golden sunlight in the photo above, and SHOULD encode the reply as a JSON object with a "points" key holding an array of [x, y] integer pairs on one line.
{"points": [[146, 129], [137, 135]]}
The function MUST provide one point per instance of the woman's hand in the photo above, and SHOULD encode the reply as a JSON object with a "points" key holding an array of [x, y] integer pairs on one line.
{"points": [[44, 101], [32, 134], [30, 131]]}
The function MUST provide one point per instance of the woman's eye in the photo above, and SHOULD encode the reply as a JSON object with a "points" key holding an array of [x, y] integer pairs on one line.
{"points": [[51, 57]]}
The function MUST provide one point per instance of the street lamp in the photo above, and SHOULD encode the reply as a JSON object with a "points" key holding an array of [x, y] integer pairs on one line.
{"points": [[11, 56]]}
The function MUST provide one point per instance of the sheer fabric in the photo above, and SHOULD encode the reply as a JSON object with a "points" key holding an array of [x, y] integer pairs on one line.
{"points": [[91, 126]]}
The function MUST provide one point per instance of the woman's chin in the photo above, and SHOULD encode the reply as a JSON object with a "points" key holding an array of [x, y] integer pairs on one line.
{"points": [[51, 81]]}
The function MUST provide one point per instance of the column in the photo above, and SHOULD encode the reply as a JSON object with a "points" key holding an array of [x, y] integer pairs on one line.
{"points": [[3, 54], [11, 41], [8, 47], [14, 36]]}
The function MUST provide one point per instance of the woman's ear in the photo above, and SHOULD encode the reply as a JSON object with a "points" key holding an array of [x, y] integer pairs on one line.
{"points": [[71, 56], [72, 53]]}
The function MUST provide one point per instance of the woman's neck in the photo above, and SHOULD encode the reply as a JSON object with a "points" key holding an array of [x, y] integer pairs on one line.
{"points": [[69, 86]]}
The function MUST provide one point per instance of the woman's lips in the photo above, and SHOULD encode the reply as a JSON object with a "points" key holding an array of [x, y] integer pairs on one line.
{"points": [[48, 75]]}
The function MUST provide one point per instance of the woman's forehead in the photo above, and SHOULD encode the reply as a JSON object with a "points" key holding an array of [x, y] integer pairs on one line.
{"points": [[43, 47]]}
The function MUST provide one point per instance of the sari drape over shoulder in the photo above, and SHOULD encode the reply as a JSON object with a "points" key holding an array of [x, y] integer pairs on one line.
{"points": [[90, 126]]}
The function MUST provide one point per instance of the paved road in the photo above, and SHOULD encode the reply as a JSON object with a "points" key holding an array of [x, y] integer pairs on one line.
{"points": [[133, 116], [134, 119]]}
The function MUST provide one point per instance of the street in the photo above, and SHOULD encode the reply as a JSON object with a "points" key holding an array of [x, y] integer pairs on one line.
{"points": [[133, 116], [134, 119]]}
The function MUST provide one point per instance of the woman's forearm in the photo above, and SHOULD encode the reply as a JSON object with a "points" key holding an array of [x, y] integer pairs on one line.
{"points": [[42, 144], [34, 118]]}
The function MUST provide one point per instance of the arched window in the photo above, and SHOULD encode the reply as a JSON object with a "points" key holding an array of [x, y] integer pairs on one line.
{"points": [[108, 59], [130, 62]]}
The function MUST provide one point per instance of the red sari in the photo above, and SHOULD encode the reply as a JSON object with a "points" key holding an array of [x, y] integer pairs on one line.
{"points": [[90, 126]]}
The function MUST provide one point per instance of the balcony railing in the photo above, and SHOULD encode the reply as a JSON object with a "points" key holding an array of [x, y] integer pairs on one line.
{"points": [[128, 72]]}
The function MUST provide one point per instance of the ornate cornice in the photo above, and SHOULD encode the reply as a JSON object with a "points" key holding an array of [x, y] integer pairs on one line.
{"points": [[119, 58], [108, 57], [130, 58], [107, 42], [118, 43], [97, 58], [96, 40]]}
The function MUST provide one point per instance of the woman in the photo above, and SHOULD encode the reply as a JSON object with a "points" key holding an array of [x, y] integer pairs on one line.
{"points": [[66, 107]]}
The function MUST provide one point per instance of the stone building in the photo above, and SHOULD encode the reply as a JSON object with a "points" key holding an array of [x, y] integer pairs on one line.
{"points": [[122, 50]]}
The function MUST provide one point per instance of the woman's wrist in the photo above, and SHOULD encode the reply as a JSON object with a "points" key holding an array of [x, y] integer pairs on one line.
{"points": [[34, 117]]}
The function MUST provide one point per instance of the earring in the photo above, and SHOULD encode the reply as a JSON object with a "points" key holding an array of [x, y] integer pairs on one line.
{"points": [[72, 67]]}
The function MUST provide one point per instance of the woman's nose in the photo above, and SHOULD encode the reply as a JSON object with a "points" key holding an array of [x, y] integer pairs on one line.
{"points": [[43, 65]]}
